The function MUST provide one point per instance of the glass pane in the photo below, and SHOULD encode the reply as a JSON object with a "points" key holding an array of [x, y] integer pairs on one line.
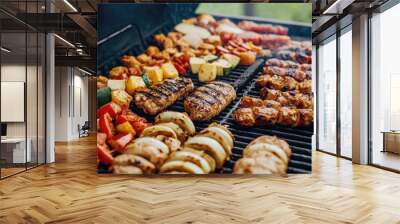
{"points": [[13, 86], [327, 97], [31, 100], [346, 94], [41, 99], [385, 84]]}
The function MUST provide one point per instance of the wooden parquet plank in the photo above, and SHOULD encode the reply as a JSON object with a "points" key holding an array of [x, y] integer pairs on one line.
{"points": [[70, 191]]}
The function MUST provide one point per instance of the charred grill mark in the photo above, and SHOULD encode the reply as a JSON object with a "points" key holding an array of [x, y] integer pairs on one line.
{"points": [[206, 97], [212, 93], [158, 91], [223, 91]]}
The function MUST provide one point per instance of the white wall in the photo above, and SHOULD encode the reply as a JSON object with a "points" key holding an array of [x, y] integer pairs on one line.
{"points": [[70, 83]]}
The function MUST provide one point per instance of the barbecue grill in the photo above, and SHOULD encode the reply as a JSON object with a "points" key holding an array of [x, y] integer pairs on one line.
{"points": [[132, 36]]}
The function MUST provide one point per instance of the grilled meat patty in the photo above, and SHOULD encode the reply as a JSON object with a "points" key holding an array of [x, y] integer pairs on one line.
{"points": [[156, 98], [209, 100]]}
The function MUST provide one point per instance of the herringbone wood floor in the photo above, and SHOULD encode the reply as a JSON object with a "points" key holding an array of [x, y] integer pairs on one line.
{"points": [[70, 191]]}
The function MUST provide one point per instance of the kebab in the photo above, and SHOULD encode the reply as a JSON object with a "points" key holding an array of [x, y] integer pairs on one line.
{"points": [[287, 64]]}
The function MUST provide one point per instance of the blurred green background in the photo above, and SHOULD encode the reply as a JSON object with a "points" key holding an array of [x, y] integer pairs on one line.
{"points": [[297, 12]]}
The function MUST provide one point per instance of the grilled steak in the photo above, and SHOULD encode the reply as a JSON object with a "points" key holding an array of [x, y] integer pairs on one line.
{"points": [[156, 98], [209, 100]]}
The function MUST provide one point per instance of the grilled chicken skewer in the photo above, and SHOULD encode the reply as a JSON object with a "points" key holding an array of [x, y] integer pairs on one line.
{"points": [[288, 64], [156, 98], [255, 111], [297, 74], [209, 100], [294, 56]]}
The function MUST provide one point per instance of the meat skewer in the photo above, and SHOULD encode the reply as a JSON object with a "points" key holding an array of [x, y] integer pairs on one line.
{"points": [[262, 28], [288, 64], [293, 56], [209, 100], [297, 74], [252, 116], [282, 83], [156, 98]]}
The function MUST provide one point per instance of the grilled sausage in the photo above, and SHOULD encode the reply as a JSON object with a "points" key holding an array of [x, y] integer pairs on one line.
{"points": [[158, 97], [209, 100]]}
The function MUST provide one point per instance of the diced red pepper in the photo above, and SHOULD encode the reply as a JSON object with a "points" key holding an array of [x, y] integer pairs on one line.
{"points": [[104, 154], [131, 117], [139, 126], [221, 50], [106, 126], [111, 108], [101, 138], [120, 119], [119, 142], [180, 69]]}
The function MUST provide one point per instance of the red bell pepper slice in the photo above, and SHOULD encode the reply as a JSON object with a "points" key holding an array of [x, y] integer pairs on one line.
{"points": [[180, 69], [104, 155], [139, 126], [106, 126], [120, 141], [101, 138], [111, 108]]}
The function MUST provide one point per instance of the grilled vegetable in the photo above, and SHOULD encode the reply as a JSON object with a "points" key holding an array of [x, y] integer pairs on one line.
{"points": [[126, 127], [149, 148], [191, 157], [180, 119], [111, 108], [180, 133], [207, 72], [195, 64], [192, 30], [118, 142], [115, 84], [121, 98], [223, 67], [193, 40], [106, 126], [181, 166], [146, 80], [134, 83], [104, 154], [233, 59], [247, 58], [119, 72], [210, 58], [103, 96], [169, 71], [268, 148], [155, 74], [154, 131], [210, 146], [132, 164], [207, 157], [221, 136]]}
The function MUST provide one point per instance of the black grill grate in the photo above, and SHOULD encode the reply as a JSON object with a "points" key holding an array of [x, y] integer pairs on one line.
{"points": [[299, 139], [243, 80]]}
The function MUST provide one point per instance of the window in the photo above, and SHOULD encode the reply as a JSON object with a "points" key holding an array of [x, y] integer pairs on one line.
{"points": [[385, 89], [327, 96], [346, 93]]}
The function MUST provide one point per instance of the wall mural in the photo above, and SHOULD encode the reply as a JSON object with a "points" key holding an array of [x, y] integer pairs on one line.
{"points": [[180, 92]]}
